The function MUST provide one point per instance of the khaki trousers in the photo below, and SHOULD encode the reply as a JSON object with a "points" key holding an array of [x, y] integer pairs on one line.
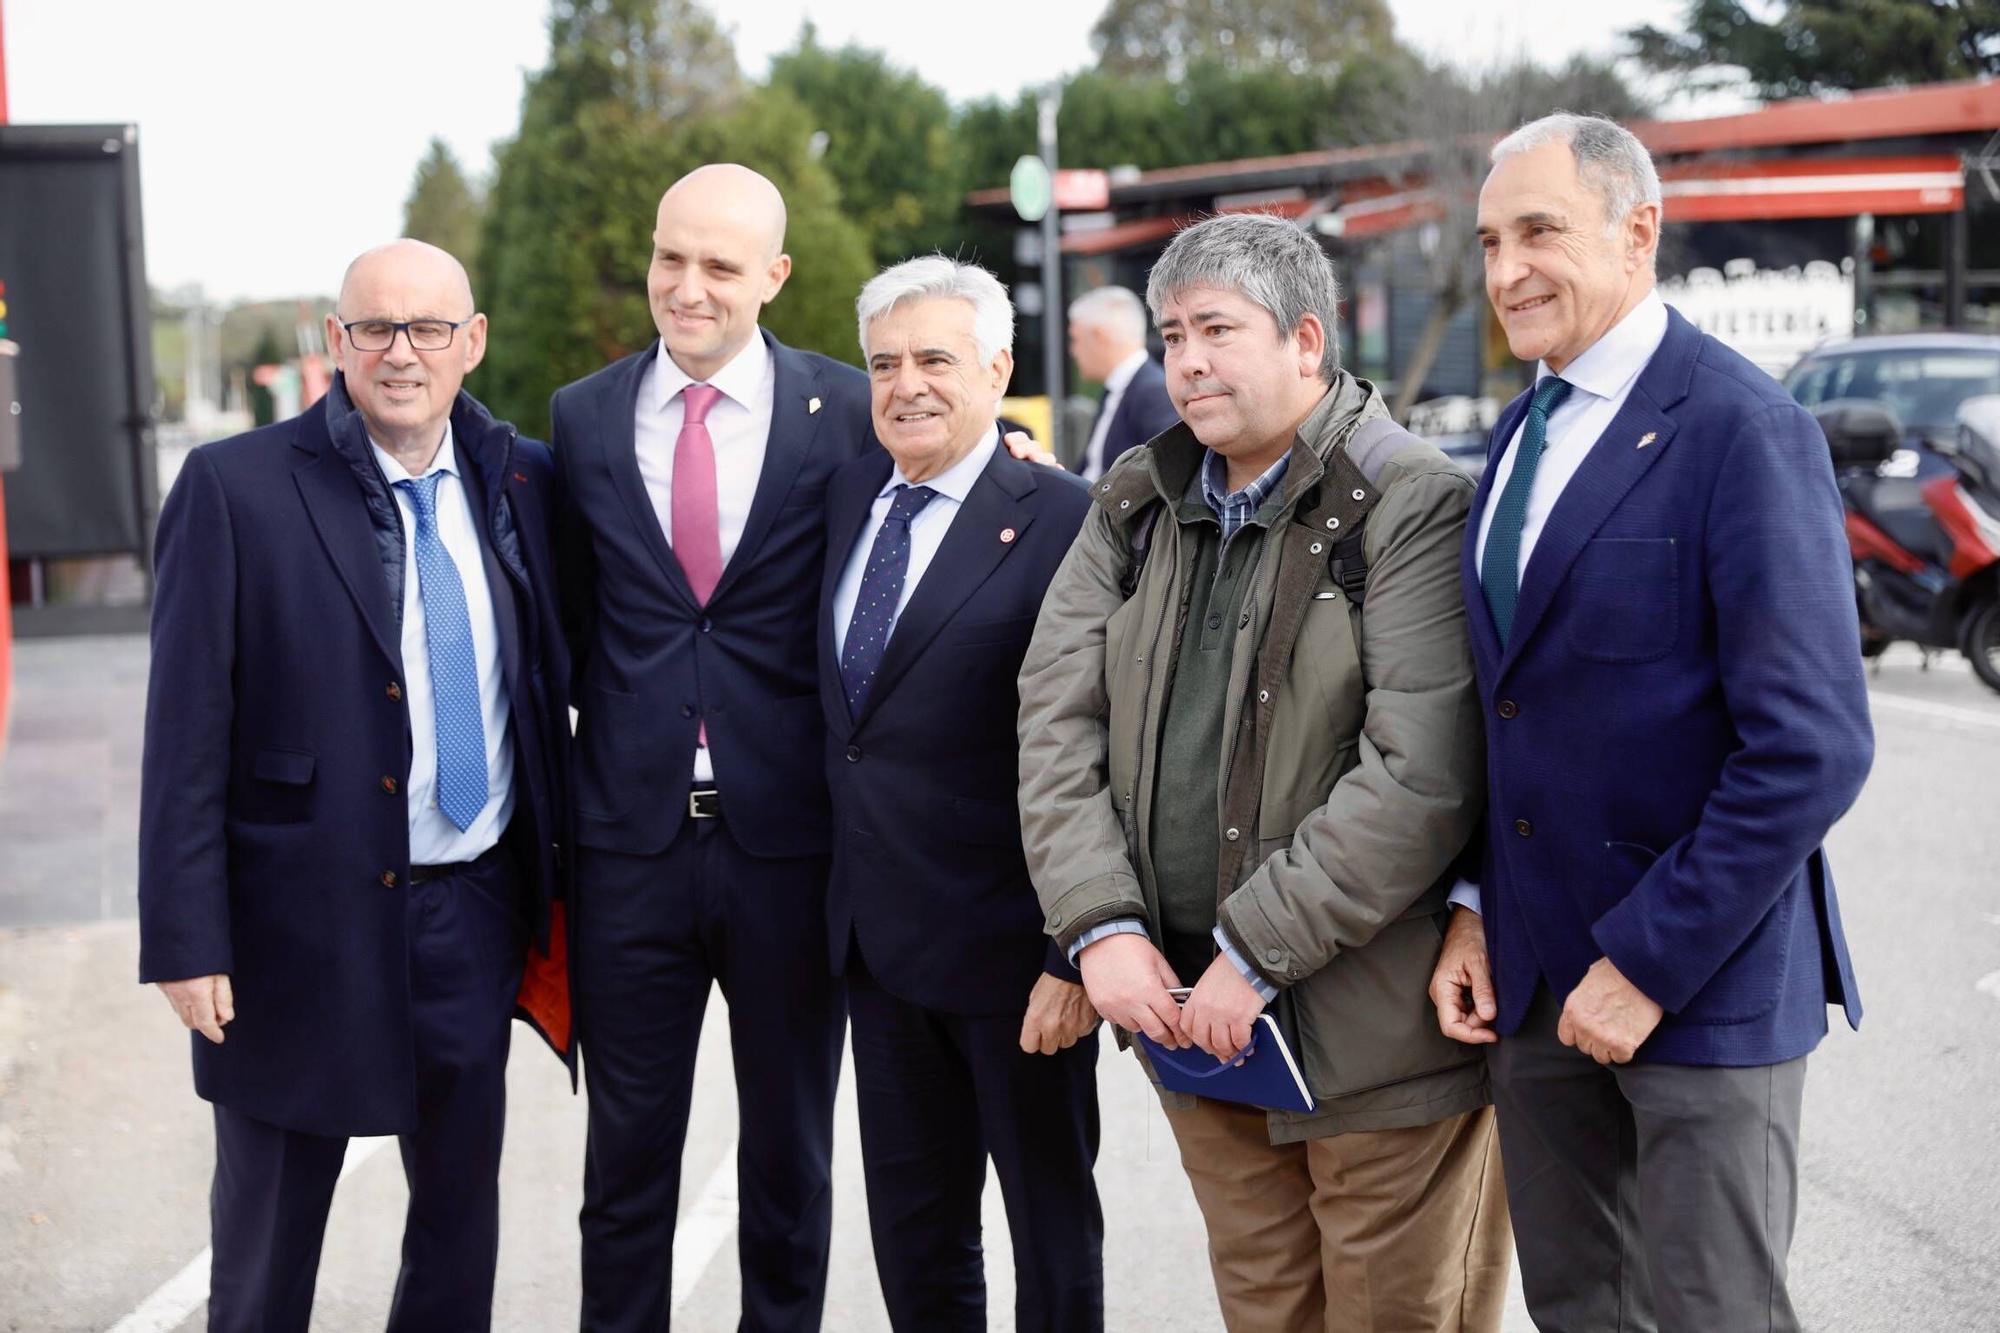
{"points": [[1382, 1231]]}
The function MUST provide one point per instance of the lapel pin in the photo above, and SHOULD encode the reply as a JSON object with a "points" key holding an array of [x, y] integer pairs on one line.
{"points": [[1006, 534], [812, 406], [520, 476], [1646, 439]]}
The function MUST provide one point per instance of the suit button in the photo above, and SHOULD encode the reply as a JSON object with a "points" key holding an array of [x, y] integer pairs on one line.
{"points": [[394, 691], [1056, 919], [1273, 956], [853, 754], [687, 710], [706, 624], [1506, 708], [1215, 622], [1524, 828], [388, 784], [388, 879], [1232, 834]]}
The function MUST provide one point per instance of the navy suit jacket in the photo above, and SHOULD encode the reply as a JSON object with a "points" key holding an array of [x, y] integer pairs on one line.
{"points": [[928, 871], [652, 664], [273, 829], [1678, 718], [1144, 411]]}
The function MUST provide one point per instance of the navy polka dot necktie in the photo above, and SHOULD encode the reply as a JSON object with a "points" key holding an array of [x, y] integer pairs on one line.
{"points": [[881, 588], [461, 736], [1500, 571]]}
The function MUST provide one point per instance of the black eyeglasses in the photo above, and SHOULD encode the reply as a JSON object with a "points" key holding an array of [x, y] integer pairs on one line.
{"points": [[426, 335]]}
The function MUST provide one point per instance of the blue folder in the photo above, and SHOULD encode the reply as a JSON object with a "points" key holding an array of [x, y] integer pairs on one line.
{"points": [[1264, 1074]]}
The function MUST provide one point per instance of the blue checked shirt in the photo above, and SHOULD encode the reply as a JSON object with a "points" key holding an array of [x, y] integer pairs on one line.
{"points": [[1233, 509]]}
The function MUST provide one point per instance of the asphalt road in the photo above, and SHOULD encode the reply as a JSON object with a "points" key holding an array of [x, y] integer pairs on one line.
{"points": [[105, 1151]]}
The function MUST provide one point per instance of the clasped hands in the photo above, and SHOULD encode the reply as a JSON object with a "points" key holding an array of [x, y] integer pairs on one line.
{"points": [[1606, 1016], [1128, 980]]}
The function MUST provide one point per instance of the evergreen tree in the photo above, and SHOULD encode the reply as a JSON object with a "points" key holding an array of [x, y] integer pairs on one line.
{"points": [[444, 207], [636, 94]]}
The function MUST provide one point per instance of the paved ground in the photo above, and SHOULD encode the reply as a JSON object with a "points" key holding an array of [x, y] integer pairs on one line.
{"points": [[104, 1151]]}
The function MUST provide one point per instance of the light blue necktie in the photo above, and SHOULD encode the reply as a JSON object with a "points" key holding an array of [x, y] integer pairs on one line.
{"points": [[1500, 571], [461, 739]]}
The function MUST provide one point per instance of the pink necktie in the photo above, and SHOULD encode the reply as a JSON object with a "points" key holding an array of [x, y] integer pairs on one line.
{"points": [[697, 530]]}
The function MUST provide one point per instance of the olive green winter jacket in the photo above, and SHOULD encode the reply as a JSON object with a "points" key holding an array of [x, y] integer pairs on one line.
{"points": [[1353, 772]]}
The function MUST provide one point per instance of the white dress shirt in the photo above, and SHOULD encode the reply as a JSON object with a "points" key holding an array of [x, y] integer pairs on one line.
{"points": [[1600, 382], [434, 839], [927, 531], [1114, 394], [739, 425]]}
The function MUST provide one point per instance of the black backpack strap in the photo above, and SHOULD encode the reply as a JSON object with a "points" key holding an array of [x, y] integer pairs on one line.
{"points": [[1141, 544]]}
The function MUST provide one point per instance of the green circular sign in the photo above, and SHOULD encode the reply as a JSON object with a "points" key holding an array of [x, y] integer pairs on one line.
{"points": [[1030, 189]]}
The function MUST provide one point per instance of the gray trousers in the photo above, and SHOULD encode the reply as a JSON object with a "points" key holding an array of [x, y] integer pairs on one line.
{"points": [[1647, 1197]]}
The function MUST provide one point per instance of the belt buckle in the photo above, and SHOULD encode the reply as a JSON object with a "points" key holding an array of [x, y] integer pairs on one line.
{"points": [[704, 803]]}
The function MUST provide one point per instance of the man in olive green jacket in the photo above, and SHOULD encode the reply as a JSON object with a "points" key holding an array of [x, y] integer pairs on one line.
{"points": [[1253, 769]]}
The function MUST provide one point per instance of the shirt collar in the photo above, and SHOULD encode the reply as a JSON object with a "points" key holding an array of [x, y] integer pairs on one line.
{"points": [[445, 461], [956, 481], [1613, 361], [1215, 481], [739, 379], [1122, 373]]}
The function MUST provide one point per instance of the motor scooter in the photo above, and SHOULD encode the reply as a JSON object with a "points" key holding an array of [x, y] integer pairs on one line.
{"points": [[1926, 548]]}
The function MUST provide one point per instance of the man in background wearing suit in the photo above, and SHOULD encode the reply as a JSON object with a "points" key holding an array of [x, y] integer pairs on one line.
{"points": [[350, 803], [1107, 338], [1664, 631], [695, 477], [938, 553]]}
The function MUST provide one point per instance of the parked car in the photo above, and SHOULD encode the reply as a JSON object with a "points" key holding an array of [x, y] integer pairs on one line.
{"points": [[1920, 377]]}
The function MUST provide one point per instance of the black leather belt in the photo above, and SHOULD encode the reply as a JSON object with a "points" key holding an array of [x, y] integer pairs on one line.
{"points": [[418, 874], [704, 803]]}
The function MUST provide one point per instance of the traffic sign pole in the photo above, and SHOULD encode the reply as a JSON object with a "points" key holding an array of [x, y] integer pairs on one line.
{"points": [[1054, 351]]}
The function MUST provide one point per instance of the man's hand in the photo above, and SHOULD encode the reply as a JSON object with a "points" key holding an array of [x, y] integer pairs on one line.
{"points": [[1218, 1015], [1607, 1017], [205, 1004], [1127, 979], [1059, 1016], [1462, 969], [1022, 445]]}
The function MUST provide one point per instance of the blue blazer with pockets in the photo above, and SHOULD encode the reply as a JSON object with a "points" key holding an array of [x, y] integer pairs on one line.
{"points": [[1679, 718]]}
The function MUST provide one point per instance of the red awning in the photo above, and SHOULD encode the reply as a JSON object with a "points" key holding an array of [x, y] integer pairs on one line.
{"points": [[1830, 188]]}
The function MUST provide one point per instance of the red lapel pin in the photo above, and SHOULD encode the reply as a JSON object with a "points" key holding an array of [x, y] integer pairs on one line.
{"points": [[520, 476]]}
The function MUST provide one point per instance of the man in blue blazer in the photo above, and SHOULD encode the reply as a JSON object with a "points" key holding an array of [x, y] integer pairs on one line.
{"points": [[352, 794], [972, 1034], [1107, 340], [1664, 632], [694, 532]]}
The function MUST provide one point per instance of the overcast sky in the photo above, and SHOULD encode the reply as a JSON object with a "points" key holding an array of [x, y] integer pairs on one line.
{"points": [[278, 139]]}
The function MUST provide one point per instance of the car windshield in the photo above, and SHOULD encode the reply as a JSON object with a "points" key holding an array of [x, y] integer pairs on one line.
{"points": [[1924, 385]]}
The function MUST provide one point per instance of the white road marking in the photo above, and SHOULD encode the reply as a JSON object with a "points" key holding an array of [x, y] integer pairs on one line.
{"points": [[183, 1293], [700, 1234], [1972, 717]]}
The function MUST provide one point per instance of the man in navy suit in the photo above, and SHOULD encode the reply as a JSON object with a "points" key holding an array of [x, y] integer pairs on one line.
{"points": [[1107, 339], [972, 1034], [695, 476], [1664, 631], [351, 796]]}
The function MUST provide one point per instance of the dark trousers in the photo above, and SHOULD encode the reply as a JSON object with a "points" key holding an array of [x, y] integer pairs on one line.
{"points": [[273, 1186], [1647, 1196], [651, 933], [937, 1094]]}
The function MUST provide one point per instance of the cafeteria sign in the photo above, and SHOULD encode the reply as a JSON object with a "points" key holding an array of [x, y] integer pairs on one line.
{"points": [[1772, 316]]}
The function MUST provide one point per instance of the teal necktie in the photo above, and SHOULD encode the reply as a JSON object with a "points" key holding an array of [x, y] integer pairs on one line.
{"points": [[1500, 572]]}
